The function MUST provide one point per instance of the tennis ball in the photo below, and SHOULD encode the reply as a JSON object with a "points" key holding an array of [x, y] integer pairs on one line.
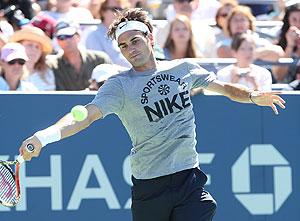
{"points": [[79, 112]]}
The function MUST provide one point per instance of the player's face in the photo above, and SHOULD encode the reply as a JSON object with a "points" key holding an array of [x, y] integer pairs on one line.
{"points": [[137, 49]]}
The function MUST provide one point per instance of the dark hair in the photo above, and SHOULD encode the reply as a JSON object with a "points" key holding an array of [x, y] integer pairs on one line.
{"points": [[285, 27], [135, 14], [238, 39]]}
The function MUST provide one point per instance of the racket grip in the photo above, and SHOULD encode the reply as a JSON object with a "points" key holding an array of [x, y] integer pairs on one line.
{"points": [[30, 149]]}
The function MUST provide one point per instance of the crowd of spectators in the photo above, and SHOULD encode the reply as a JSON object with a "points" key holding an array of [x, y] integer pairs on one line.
{"points": [[62, 44]]}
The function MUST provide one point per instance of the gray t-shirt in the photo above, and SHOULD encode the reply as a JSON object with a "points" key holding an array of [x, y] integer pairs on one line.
{"points": [[155, 107]]}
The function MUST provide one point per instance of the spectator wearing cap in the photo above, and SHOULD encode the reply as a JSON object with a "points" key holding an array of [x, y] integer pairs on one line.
{"points": [[101, 73], [37, 45], [98, 40], [73, 65], [13, 59]]}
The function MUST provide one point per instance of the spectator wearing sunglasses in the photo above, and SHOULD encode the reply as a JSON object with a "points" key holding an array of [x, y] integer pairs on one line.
{"points": [[73, 65], [13, 59], [97, 39], [221, 19]]}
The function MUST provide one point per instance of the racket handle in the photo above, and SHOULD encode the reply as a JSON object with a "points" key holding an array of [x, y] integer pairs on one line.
{"points": [[30, 149]]}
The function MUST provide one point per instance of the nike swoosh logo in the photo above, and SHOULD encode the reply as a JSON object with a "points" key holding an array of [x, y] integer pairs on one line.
{"points": [[122, 26]]}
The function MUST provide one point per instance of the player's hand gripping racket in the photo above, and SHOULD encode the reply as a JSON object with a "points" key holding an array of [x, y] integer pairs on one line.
{"points": [[10, 180]]}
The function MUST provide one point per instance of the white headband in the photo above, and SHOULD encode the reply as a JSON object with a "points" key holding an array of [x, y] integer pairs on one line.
{"points": [[129, 26]]}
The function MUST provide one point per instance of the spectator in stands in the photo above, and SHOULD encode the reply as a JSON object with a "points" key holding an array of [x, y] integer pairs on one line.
{"points": [[195, 9], [13, 59], [94, 7], [50, 5], [289, 40], [240, 21], [73, 65], [24, 5], [37, 46], [97, 39], [204, 34], [221, 19], [295, 85], [101, 73], [17, 13], [180, 41], [244, 71], [64, 10]]}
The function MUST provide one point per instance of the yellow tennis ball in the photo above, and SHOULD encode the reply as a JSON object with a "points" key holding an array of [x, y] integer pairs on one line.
{"points": [[79, 112]]}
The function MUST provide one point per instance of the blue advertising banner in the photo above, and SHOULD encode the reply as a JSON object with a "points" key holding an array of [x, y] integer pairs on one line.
{"points": [[249, 154]]}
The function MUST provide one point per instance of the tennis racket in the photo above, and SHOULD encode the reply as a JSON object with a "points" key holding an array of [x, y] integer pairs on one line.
{"points": [[10, 180]]}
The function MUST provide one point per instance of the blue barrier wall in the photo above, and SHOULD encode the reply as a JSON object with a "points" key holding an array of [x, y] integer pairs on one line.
{"points": [[250, 155]]}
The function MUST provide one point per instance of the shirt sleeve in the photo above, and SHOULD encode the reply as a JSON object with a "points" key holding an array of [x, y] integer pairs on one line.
{"points": [[110, 97], [200, 76]]}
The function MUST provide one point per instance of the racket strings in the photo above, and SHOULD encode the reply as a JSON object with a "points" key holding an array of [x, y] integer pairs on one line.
{"points": [[8, 192]]}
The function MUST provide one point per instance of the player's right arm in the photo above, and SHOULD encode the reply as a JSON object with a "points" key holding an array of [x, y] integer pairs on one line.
{"points": [[65, 127]]}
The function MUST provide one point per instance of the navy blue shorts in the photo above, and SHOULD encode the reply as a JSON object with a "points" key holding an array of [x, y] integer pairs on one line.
{"points": [[175, 197]]}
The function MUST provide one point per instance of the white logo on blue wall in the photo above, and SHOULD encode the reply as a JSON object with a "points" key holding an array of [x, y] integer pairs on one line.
{"points": [[261, 203]]}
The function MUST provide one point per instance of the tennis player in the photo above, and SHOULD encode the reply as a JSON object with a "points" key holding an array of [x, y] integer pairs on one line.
{"points": [[153, 102]]}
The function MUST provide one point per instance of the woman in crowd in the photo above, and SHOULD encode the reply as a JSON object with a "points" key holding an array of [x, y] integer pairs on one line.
{"points": [[12, 62], [180, 41], [244, 71], [37, 45], [289, 40], [241, 21], [221, 18]]}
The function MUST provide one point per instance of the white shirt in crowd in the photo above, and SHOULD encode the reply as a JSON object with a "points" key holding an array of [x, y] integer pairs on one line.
{"points": [[46, 84], [262, 75]]}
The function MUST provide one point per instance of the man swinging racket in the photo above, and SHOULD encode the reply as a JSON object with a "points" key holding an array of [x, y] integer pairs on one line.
{"points": [[153, 102]]}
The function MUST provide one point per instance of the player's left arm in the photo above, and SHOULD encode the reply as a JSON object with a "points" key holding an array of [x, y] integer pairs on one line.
{"points": [[243, 94]]}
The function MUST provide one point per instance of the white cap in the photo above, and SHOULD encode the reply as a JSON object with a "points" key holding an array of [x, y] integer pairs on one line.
{"points": [[12, 50], [130, 26], [103, 71]]}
